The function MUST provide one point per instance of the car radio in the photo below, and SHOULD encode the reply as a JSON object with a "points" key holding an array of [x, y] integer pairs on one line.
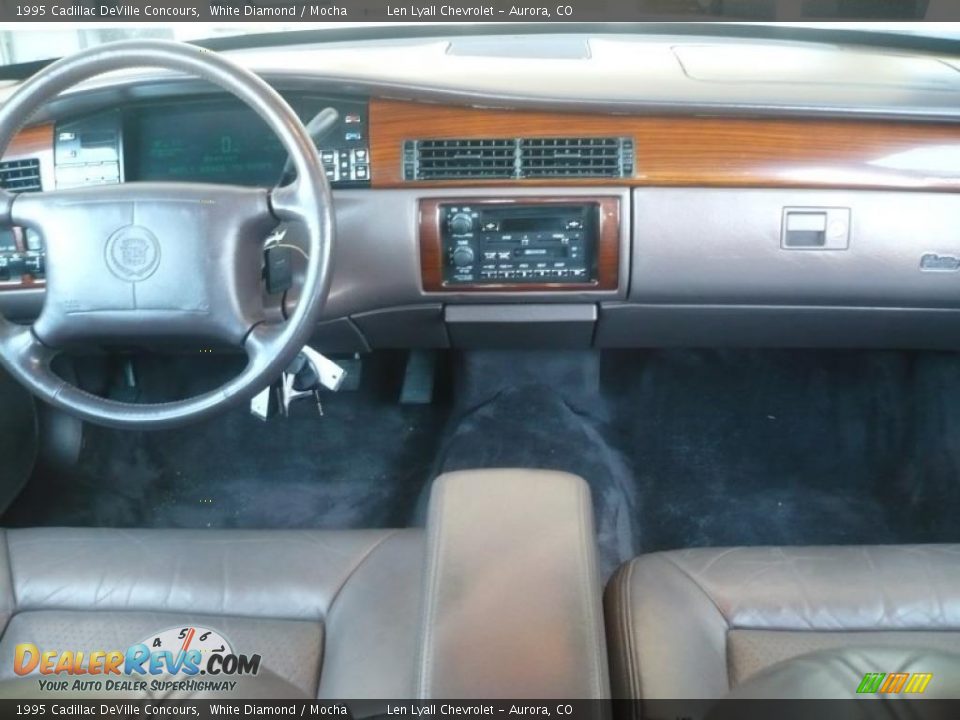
{"points": [[519, 243]]}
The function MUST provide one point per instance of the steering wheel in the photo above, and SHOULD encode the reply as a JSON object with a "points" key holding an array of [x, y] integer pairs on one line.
{"points": [[139, 261]]}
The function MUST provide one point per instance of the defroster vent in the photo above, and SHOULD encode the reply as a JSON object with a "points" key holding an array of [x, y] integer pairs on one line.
{"points": [[514, 159]]}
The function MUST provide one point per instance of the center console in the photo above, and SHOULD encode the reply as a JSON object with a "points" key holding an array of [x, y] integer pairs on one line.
{"points": [[521, 243], [511, 560]]}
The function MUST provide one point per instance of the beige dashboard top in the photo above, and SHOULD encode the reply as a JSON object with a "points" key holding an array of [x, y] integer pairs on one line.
{"points": [[613, 73]]}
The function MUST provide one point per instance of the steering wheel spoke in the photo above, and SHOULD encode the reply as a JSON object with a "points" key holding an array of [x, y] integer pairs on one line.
{"points": [[28, 359], [290, 202], [20, 346], [261, 342], [148, 261]]}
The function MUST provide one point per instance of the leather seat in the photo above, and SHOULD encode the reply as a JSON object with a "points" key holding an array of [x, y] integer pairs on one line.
{"points": [[505, 569], [332, 613], [766, 622]]}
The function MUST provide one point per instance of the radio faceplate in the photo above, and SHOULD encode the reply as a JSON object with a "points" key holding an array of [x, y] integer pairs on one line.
{"points": [[528, 243]]}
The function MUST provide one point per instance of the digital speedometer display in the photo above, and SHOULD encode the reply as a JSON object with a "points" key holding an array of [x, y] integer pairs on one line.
{"points": [[208, 142], [224, 141]]}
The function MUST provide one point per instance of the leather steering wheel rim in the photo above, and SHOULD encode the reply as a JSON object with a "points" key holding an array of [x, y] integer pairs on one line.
{"points": [[306, 201]]}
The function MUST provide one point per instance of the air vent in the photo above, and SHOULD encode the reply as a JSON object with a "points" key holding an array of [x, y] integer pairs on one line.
{"points": [[20, 175], [518, 158], [458, 159], [575, 157]]}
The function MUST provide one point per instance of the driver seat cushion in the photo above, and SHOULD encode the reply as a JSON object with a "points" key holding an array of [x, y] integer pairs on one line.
{"points": [[699, 623], [332, 613]]}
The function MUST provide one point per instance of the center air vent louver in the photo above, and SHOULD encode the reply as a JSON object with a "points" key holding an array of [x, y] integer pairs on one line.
{"points": [[574, 157], [455, 159], [20, 175], [515, 159]]}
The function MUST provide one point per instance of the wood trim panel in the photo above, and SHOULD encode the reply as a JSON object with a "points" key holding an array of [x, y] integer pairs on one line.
{"points": [[31, 142], [607, 250], [694, 151]]}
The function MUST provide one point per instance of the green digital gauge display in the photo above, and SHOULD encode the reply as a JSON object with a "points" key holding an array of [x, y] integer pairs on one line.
{"points": [[223, 141], [206, 144]]}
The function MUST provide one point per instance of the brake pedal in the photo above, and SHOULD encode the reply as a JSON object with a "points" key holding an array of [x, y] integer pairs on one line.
{"points": [[419, 378]]}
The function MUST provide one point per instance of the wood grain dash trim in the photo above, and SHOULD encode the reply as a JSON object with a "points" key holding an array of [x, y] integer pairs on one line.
{"points": [[31, 142], [693, 151]]}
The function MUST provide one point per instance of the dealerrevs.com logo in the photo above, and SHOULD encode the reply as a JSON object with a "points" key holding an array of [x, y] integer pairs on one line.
{"points": [[179, 655]]}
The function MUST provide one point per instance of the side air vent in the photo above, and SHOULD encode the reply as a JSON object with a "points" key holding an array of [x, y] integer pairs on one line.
{"points": [[20, 175], [518, 158]]}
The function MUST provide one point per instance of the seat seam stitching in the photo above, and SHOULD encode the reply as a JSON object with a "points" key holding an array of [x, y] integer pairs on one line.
{"points": [[432, 577], [621, 613], [363, 559], [336, 596], [713, 602], [588, 589], [633, 662], [697, 584]]}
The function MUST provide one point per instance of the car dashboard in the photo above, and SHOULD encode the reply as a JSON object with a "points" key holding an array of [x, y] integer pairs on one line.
{"points": [[490, 216]]}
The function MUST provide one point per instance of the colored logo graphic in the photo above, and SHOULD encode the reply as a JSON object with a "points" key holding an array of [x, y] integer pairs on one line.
{"points": [[894, 683], [184, 651]]}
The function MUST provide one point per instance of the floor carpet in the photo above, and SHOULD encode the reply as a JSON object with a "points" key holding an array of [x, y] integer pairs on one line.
{"points": [[680, 448], [363, 464]]}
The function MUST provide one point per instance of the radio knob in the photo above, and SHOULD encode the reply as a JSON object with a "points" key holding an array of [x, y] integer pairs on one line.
{"points": [[461, 224], [463, 256]]}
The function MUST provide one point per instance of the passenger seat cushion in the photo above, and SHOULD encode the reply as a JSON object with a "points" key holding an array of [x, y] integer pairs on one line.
{"points": [[696, 623], [332, 613]]}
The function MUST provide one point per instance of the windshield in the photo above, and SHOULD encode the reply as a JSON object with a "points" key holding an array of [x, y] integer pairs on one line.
{"points": [[43, 43], [22, 45]]}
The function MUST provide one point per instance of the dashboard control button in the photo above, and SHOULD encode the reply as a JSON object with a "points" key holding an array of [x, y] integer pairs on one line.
{"points": [[461, 224], [463, 256], [34, 265]]}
